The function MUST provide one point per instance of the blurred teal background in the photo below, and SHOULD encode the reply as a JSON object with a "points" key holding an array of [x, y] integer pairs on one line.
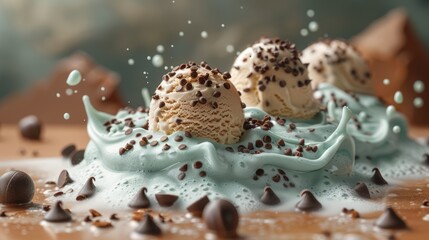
{"points": [[35, 34]]}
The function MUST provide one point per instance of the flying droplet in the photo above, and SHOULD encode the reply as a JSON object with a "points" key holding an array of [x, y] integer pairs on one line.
{"points": [[157, 60], [230, 49], [66, 116], [313, 26], [130, 61], [419, 86], [386, 81], [304, 32], [160, 48], [390, 110], [310, 13], [74, 78], [398, 98], [204, 34], [58, 95], [181, 34], [396, 129], [418, 102]]}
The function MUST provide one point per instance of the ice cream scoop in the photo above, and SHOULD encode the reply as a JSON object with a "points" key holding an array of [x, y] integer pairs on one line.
{"points": [[270, 75], [198, 99], [338, 63]]}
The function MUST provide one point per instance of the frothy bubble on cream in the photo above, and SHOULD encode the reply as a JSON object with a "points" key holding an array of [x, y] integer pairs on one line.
{"points": [[74, 78], [419, 86], [386, 81], [398, 98], [66, 116], [157, 60], [418, 102]]}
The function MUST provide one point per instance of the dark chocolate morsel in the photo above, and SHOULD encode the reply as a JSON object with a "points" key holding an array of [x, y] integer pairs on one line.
{"points": [[148, 226], [68, 150], [390, 220], [77, 157], [87, 190], [377, 178], [269, 197], [197, 207], [362, 190], [57, 214], [140, 200], [222, 218], [166, 200], [308, 202], [64, 179], [3, 214], [16, 187], [30, 127]]}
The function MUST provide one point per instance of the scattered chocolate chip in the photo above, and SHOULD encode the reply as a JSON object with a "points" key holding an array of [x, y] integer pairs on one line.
{"points": [[140, 200], [128, 131], [351, 212], [362, 190], [301, 142], [77, 156], [178, 138], [148, 226], [166, 200], [102, 224], [122, 151], [188, 134], [390, 220], [377, 178], [196, 208], [57, 214], [308, 202], [68, 150], [16, 187], [227, 85], [87, 190], [181, 176], [292, 126], [94, 213], [30, 127], [57, 194], [198, 165], [154, 143], [164, 138], [221, 217], [161, 104], [216, 94], [182, 146], [202, 174], [166, 147], [229, 149], [64, 179], [269, 197]]}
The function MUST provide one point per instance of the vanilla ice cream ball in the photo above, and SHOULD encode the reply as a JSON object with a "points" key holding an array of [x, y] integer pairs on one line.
{"points": [[270, 75], [198, 99], [338, 63]]}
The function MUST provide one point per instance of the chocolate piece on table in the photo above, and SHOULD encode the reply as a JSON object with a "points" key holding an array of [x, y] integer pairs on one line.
{"points": [[42, 100], [30, 127], [402, 59], [140, 200], [148, 226], [390, 220], [57, 214], [64, 179], [362, 190], [377, 178], [308, 202], [87, 190], [269, 197], [16, 187], [68, 150], [222, 218], [77, 156], [166, 200], [197, 207]]}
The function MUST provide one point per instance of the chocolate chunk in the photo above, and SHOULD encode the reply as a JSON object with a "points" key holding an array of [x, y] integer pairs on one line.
{"points": [[362, 190], [377, 178], [308, 202], [64, 179], [269, 197], [140, 200], [148, 226], [166, 200], [222, 218], [57, 214], [16, 187], [196, 208], [77, 157], [87, 190], [68, 150], [390, 220], [30, 127]]}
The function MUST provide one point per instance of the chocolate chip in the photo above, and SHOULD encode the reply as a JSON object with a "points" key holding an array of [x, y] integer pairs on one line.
{"points": [[161, 104], [178, 138], [216, 94], [154, 143], [259, 172], [292, 126], [362, 190], [94, 213], [221, 217], [282, 83], [426, 159], [128, 131], [188, 134], [377, 178], [64, 179], [87, 190], [425, 203], [77, 156], [301, 142], [269, 197], [227, 85], [57, 214], [266, 139], [390, 220], [308, 202], [3, 214], [182, 147], [30, 127], [114, 217], [148, 226], [16, 187], [102, 224], [140, 200], [198, 165], [196, 208], [181, 176], [184, 168], [166, 200], [166, 147], [202, 174], [68, 150]]}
